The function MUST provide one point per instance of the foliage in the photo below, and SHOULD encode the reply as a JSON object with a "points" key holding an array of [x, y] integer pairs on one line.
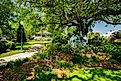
{"points": [[6, 10], [64, 64], [116, 35], [78, 59], [117, 55], [43, 76], [25, 59], [43, 55], [93, 35], [109, 48], [85, 13], [94, 38], [4, 45], [14, 64], [59, 39], [59, 43], [10, 45]]}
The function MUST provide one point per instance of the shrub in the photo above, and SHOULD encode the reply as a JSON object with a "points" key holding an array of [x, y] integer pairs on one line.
{"points": [[10, 44], [43, 54], [53, 48], [25, 59], [10, 64], [64, 64], [117, 55], [2, 46], [79, 59], [109, 47], [6, 45], [17, 62]]}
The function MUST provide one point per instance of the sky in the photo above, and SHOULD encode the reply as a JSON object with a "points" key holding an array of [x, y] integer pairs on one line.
{"points": [[100, 27]]}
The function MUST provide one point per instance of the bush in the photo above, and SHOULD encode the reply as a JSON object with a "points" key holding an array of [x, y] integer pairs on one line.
{"points": [[117, 55], [43, 55], [6, 45], [109, 48], [53, 48], [2, 46], [10, 44], [79, 59], [60, 39], [64, 64]]}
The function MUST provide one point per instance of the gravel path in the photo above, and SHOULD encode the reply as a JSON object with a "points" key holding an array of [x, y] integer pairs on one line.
{"points": [[17, 56]]}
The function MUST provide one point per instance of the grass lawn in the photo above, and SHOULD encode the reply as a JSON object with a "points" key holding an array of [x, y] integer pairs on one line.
{"points": [[25, 47], [12, 52], [94, 74], [89, 74]]}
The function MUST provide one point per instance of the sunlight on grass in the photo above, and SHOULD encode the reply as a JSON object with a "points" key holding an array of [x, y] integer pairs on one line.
{"points": [[37, 42], [96, 75], [9, 53], [25, 47]]}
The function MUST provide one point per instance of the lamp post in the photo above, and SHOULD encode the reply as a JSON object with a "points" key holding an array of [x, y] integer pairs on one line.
{"points": [[21, 40]]}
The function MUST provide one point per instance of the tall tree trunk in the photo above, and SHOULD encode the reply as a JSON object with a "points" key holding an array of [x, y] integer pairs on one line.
{"points": [[82, 28]]}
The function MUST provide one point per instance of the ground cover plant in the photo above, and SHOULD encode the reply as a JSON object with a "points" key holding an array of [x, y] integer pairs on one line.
{"points": [[46, 66]]}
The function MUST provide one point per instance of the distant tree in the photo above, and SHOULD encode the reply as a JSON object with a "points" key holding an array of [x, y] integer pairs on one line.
{"points": [[21, 33], [116, 35]]}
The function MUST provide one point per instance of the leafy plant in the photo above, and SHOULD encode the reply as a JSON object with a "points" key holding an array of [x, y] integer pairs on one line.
{"points": [[25, 59], [10, 44], [64, 64], [117, 55], [43, 54], [79, 59], [109, 47]]}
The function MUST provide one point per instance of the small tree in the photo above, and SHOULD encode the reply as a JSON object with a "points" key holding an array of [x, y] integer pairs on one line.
{"points": [[20, 31]]}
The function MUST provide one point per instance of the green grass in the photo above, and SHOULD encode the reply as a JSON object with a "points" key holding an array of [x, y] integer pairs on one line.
{"points": [[96, 75], [9, 53], [37, 42], [93, 74], [88, 74], [25, 47]]}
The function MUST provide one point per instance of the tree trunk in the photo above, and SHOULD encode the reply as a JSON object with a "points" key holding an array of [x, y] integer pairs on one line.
{"points": [[82, 28]]}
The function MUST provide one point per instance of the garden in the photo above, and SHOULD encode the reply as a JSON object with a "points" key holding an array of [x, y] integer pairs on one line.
{"points": [[70, 50]]}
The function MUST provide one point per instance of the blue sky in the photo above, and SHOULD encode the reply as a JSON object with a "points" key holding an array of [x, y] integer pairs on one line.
{"points": [[100, 27]]}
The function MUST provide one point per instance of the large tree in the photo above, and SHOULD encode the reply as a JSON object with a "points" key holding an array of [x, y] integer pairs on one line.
{"points": [[6, 13], [81, 13]]}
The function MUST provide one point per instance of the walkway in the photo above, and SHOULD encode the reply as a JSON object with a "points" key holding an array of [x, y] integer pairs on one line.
{"points": [[17, 56]]}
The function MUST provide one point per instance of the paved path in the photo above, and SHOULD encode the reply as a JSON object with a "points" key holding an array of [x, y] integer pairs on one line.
{"points": [[17, 56]]}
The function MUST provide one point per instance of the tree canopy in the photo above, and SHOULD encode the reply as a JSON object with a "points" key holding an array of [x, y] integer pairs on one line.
{"points": [[82, 13], [56, 14]]}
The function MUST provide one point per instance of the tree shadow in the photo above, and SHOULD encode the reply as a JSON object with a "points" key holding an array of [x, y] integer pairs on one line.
{"points": [[94, 72]]}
